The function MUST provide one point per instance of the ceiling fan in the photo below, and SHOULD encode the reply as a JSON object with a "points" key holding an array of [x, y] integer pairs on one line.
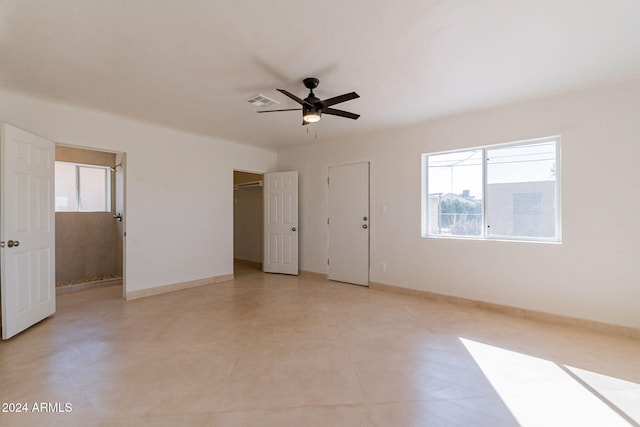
{"points": [[313, 107]]}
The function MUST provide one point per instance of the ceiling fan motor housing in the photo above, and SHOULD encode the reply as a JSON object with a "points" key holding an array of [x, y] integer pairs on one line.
{"points": [[311, 83]]}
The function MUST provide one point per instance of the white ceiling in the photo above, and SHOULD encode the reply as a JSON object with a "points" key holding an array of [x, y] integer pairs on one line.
{"points": [[192, 64]]}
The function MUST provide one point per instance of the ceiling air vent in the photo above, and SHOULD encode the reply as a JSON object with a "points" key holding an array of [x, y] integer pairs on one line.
{"points": [[262, 101]]}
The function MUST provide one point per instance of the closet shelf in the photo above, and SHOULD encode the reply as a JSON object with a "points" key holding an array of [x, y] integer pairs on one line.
{"points": [[249, 184]]}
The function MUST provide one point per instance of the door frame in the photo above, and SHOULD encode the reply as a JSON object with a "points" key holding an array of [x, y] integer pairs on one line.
{"points": [[123, 212], [234, 219]]}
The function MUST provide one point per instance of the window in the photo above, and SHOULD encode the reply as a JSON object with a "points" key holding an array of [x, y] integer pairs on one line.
{"points": [[82, 188], [508, 191]]}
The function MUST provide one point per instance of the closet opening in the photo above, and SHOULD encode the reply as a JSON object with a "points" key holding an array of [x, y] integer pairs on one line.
{"points": [[247, 222]]}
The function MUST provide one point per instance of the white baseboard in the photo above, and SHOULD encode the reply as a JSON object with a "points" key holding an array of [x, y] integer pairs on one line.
{"points": [[158, 290], [514, 311]]}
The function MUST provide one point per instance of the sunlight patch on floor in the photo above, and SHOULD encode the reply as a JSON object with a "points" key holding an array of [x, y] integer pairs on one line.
{"points": [[539, 392]]}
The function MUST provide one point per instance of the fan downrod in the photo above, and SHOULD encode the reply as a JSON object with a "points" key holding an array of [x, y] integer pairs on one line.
{"points": [[311, 83]]}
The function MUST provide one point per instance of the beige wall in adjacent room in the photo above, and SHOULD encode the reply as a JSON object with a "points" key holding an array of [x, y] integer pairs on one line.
{"points": [[87, 242]]}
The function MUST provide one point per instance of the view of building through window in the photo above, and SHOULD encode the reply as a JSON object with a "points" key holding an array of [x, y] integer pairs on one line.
{"points": [[506, 191]]}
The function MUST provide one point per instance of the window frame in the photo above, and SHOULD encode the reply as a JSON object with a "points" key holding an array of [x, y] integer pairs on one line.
{"points": [[425, 217], [77, 166]]}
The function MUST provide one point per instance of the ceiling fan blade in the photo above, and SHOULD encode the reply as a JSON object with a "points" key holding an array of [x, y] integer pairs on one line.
{"points": [[275, 111], [295, 98], [340, 113], [340, 98]]}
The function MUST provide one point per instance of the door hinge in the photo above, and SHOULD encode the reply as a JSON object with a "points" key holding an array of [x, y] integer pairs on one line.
{"points": [[327, 261], [327, 180], [327, 221]]}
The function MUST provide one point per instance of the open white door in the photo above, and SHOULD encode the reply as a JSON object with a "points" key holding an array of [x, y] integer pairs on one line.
{"points": [[27, 230], [280, 222], [349, 223]]}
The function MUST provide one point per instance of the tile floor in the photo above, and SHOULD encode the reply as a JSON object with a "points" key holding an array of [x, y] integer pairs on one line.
{"points": [[273, 350]]}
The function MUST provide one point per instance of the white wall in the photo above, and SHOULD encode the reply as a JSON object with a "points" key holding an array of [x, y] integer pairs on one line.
{"points": [[592, 275], [179, 188]]}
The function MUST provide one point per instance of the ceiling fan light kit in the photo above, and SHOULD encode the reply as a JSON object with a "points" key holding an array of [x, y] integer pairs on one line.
{"points": [[313, 107], [310, 115]]}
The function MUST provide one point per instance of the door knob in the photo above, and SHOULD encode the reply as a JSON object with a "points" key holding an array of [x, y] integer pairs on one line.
{"points": [[364, 226], [12, 243], [293, 229]]}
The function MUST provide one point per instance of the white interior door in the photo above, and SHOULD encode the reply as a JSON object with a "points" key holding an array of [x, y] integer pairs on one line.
{"points": [[280, 222], [349, 223], [27, 230]]}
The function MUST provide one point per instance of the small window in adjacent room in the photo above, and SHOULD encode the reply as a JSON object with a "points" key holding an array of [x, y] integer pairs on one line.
{"points": [[82, 188], [507, 192]]}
